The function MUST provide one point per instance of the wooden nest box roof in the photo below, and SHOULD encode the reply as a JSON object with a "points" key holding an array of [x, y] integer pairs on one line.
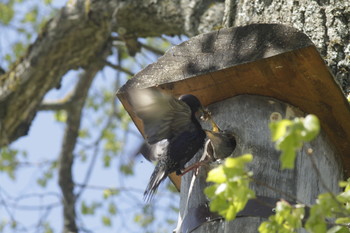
{"points": [[260, 59]]}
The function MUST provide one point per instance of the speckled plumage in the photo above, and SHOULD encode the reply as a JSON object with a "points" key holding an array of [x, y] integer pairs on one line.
{"points": [[171, 127]]}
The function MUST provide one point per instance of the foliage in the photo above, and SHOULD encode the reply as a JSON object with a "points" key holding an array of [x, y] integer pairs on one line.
{"points": [[230, 191], [10, 160], [287, 219], [289, 135], [23, 23], [330, 209], [335, 208]]}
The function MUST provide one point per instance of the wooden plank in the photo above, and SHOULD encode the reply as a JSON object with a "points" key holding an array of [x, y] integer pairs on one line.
{"points": [[262, 59]]}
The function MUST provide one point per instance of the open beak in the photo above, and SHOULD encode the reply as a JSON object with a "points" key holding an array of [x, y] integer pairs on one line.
{"points": [[206, 115]]}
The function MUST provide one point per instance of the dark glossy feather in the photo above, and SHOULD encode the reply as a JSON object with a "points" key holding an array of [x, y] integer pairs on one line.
{"points": [[171, 129], [163, 116]]}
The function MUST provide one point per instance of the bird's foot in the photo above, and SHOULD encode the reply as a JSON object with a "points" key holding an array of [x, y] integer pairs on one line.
{"points": [[195, 167]]}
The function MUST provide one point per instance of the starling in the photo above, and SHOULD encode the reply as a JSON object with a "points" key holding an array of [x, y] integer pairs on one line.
{"points": [[222, 143], [172, 130], [219, 145]]}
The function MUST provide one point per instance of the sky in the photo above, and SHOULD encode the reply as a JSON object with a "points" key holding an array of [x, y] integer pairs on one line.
{"points": [[43, 144]]}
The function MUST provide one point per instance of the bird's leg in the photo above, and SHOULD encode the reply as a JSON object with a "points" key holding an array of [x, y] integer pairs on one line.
{"points": [[195, 166], [206, 158]]}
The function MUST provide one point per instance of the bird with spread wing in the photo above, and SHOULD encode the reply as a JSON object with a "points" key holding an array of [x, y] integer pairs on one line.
{"points": [[171, 128]]}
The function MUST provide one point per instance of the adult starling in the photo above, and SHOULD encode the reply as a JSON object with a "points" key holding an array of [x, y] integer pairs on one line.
{"points": [[172, 129], [220, 145]]}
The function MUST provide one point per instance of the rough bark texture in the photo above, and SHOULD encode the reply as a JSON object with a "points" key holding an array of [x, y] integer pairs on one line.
{"points": [[326, 22]]}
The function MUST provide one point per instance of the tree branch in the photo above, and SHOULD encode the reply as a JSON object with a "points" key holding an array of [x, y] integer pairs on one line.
{"points": [[153, 49], [54, 106], [59, 48], [72, 39], [66, 159], [117, 67]]}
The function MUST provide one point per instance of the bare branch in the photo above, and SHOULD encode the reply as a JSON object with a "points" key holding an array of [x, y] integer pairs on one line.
{"points": [[152, 49], [61, 104], [117, 67], [74, 114]]}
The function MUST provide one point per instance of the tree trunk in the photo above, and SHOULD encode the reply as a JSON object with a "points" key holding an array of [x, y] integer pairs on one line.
{"points": [[325, 22]]}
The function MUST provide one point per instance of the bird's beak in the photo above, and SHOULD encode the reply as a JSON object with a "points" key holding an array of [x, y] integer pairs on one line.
{"points": [[206, 115]]}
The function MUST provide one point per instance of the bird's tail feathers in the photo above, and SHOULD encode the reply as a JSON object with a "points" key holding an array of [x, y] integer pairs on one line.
{"points": [[157, 177]]}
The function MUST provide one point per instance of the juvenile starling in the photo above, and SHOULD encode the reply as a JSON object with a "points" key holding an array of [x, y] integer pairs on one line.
{"points": [[223, 143], [172, 129]]}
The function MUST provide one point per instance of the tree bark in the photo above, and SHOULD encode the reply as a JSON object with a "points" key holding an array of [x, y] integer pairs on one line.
{"points": [[326, 22]]}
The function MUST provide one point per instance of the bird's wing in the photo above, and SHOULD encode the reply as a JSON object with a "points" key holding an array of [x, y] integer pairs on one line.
{"points": [[163, 116]]}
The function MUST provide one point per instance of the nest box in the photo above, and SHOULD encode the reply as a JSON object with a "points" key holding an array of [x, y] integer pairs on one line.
{"points": [[248, 76], [268, 60]]}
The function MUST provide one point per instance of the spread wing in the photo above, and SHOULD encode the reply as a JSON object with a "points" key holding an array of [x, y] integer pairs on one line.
{"points": [[163, 116]]}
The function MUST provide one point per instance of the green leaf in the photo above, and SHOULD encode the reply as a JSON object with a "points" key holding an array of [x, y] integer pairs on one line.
{"points": [[278, 129], [112, 208], [61, 116], [230, 190], [287, 219], [288, 153], [31, 16], [9, 161], [41, 182], [143, 220], [47, 228], [18, 49], [290, 135], [312, 127], [345, 185], [339, 229], [110, 192], [106, 221], [106, 160], [316, 221], [344, 220], [6, 13], [89, 209], [126, 169], [84, 208], [217, 175], [47, 2]]}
